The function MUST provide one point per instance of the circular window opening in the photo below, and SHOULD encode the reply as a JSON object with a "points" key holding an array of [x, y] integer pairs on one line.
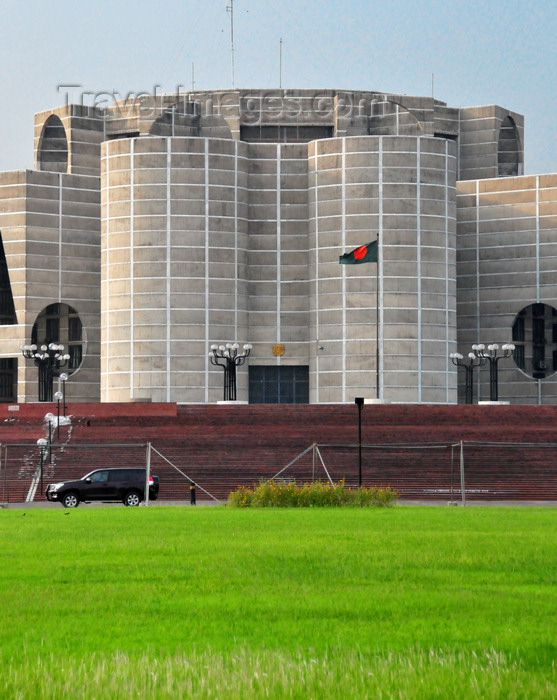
{"points": [[535, 340], [60, 323]]}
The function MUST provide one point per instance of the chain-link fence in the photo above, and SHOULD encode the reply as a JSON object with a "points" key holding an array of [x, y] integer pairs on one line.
{"points": [[437, 471], [453, 472]]}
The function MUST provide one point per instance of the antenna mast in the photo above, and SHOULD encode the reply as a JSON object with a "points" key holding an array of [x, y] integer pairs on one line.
{"points": [[280, 63], [230, 8]]}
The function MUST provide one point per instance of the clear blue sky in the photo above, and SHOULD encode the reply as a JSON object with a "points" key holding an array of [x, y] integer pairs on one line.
{"points": [[480, 52]]}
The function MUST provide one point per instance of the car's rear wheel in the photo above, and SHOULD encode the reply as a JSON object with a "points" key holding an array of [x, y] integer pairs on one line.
{"points": [[70, 500], [132, 498]]}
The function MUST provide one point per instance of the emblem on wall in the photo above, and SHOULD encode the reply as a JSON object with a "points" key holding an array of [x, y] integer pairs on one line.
{"points": [[278, 349]]}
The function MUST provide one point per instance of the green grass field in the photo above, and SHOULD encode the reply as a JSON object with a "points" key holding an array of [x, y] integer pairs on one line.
{"points": [[215, 602]]}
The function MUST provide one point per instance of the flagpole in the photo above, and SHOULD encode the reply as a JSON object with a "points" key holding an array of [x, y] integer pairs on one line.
{"points": [[362, 254], [377, 322]]}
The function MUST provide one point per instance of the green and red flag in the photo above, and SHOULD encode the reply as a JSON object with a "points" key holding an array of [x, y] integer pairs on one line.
{"points": [[363, 254]]}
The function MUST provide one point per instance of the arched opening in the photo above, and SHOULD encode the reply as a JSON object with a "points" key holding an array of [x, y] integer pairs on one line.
{"points": [[60, 323], [53, 148], [535, 340], [508, 149]]}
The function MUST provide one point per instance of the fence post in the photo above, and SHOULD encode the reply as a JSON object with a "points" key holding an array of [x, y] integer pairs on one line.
{"points": [[3, 462], [147, 472], [462, 486]]}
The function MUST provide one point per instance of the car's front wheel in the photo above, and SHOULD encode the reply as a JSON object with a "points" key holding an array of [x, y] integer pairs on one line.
{"points": [[132, 498], [70, 500]]}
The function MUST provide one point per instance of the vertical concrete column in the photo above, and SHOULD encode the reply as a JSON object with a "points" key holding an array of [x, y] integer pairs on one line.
{"points": [[402, 188], [174, 273]]}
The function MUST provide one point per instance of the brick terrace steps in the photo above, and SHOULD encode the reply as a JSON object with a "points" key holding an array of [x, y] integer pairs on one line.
{"points": [[19, 462], [223, 446]]}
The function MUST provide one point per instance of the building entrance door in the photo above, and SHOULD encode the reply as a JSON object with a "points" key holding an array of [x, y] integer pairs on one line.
{"points": [[282, 384]]}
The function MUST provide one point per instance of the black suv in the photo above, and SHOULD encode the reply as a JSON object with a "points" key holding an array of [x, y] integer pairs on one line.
{"points": [[126, 485]]}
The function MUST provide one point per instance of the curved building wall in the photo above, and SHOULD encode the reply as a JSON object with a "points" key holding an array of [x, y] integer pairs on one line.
{"points": [[402, 190], [174, 248]]}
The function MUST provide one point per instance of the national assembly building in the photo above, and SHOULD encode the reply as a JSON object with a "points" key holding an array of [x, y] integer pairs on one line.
{"points": [[153, 228]]}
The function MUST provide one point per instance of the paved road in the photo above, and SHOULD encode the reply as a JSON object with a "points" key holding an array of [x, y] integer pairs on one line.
{"points": [[402, 502], [96, 504]]}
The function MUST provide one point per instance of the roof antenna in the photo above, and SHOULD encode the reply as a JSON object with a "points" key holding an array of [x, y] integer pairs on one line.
{"points": [[280, 63], [230, 8]]}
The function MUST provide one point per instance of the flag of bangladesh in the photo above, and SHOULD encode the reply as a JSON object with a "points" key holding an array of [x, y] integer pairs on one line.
{"points": [[363, 254]]}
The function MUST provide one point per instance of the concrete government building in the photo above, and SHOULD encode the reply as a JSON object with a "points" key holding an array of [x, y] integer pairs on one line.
{"points": [[151, 228]]}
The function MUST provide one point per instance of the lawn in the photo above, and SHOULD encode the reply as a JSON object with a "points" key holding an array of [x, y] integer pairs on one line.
{"points": [[166, 602]]}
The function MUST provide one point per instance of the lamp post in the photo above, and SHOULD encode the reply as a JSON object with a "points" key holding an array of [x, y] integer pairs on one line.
{"points": [[228, 357], [64, 379], [47, 358], [49, 418], [42, 445], [58, 396], [491, 355], [471, 361], [359, 401]]}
